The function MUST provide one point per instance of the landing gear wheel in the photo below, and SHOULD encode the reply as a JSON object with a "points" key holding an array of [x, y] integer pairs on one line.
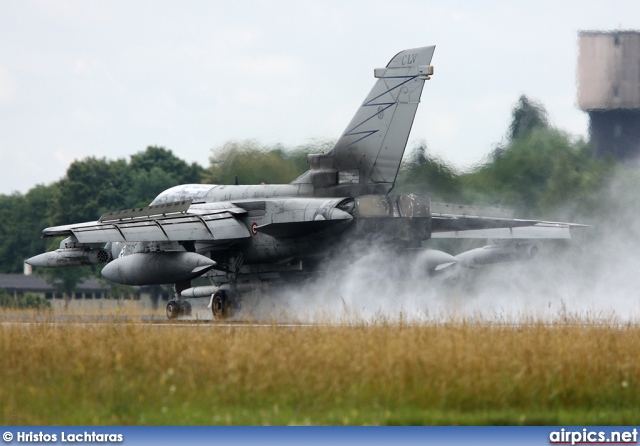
{"points": [[221, 305], [173, 309], [185, 308]]}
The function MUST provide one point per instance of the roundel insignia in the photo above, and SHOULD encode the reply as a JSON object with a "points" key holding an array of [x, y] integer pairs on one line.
{"points": [[254, 225]]}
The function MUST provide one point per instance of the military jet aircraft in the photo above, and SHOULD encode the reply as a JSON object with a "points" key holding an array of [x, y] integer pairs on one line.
{"points": [[237, 235]]}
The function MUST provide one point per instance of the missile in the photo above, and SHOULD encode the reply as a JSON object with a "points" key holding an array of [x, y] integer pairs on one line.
{"points": [[497, 253], [70, 257], [157, 268]]}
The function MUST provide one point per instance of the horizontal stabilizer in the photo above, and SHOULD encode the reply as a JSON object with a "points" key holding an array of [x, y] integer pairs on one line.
{"points": [[451, 220], [443, 224], [466, 210], [540, 230]]}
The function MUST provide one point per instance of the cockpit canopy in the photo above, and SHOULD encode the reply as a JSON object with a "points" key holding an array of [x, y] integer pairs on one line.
{"points": [[195, 192]]}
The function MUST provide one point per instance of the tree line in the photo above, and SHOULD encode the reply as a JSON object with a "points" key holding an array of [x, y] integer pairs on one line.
{"points": [[537, 169]]}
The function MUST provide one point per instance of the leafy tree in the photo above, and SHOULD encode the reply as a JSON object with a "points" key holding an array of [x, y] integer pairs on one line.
{"points": [[157, 169], [90, 188], [526, 116], [159, 158], [145, 186], [36, 216], [425, 174], [255, 164], [11, 211], [26, 301], [298, 154], [537, 174], [22, 217], [66, 280], [539, 171]]}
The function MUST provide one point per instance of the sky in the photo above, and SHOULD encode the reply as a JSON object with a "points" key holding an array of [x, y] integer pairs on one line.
{"points": [[85, 78]]}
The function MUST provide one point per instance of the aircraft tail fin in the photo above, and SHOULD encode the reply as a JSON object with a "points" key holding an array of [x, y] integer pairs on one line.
{"points": [[366, 158]]}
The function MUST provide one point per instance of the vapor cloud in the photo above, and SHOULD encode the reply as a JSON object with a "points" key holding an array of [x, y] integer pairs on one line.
{"points": [[592, 278]]}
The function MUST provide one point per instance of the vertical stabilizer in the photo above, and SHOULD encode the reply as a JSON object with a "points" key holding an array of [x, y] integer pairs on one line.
{"points": [[366, 158]]}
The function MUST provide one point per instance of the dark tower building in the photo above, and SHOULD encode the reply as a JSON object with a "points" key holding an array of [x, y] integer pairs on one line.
{"points": [[609, 90]]}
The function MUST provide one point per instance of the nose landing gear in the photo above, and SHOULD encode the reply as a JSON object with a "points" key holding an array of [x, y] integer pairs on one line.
{"points": [[177, 308]]}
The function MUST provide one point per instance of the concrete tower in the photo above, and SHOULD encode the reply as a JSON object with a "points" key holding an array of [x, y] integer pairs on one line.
{"points": [[609, 90]]}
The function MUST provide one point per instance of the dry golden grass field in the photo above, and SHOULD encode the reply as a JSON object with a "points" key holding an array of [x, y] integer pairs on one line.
{"points": [[131, 372]]}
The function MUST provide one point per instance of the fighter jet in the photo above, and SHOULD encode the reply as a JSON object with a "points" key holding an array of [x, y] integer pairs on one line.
{"points": [[238, 236]]}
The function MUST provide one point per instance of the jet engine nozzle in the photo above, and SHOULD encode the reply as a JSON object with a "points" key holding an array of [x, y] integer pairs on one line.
{"points": [[157, 268], [70, 257]]}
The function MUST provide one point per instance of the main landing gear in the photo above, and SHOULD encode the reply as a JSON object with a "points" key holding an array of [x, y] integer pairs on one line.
{"points": [[224, 304]]}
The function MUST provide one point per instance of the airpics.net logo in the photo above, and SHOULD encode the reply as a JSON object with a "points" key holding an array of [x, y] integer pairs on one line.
{"points": [[589, 436], [62, 437]]}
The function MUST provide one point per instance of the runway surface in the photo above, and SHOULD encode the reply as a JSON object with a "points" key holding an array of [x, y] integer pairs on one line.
{"points": [[159, 320]]}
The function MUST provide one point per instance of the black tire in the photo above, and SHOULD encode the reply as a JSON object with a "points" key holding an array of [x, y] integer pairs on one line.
{"points": [[173, 309], [221, 306], [185, 308]]}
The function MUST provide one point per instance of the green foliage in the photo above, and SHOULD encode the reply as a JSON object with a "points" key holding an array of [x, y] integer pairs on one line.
{"points": [[95, 186], [425, 174], [157, 169], [65, 280], [91, 187], [526, 116], [537, 174], [117, 291], [162, 159], [539, 171], [11, 206], [22, 217], [26, 301], [254, 163]]}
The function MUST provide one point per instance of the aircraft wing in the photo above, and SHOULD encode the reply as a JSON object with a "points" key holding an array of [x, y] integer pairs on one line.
{"points": [[474, 222], [172, 222]]}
